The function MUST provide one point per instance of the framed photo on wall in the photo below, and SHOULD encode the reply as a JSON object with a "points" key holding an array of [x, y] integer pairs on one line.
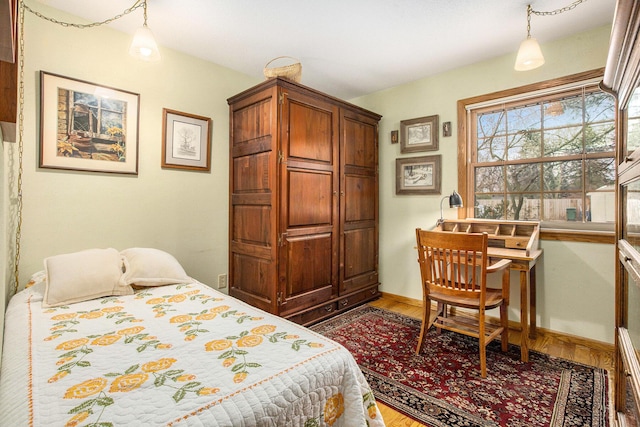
{"points": [[87, 127], [186, 141], [419, 175], [419, 134]]}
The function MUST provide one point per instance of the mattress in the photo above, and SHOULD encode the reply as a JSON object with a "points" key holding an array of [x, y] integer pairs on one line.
{"points": [[174, 355]]}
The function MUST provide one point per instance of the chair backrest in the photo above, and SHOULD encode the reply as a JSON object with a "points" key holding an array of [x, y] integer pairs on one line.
{"points": [[454, 264]]}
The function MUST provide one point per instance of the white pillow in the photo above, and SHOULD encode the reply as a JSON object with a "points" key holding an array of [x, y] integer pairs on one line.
{"points": [[152, 267], [36, 278], [84, 275]]}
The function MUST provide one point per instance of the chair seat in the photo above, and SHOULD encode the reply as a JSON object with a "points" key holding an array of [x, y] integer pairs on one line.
{"points": [[493, 299]]}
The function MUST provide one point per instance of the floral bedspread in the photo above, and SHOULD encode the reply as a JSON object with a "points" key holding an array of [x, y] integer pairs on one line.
{"points": [[173, 355]]}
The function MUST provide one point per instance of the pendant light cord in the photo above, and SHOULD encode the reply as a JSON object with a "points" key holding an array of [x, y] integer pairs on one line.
{"points": [[557, 11], [552, 12], [18, 235], [21, 11], [136, 5]]}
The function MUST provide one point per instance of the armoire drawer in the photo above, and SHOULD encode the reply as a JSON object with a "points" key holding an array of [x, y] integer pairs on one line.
{"points": [[335, 306]]}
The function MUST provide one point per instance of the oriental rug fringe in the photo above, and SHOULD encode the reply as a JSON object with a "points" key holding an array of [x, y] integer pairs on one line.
{"points": [[442, 386]]}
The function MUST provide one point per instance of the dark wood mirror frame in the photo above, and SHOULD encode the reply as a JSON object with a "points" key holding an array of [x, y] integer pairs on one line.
{"points": [[8, 67]]}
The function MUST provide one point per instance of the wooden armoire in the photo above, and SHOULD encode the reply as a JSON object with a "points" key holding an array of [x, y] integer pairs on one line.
{"points": [[303, 209]]}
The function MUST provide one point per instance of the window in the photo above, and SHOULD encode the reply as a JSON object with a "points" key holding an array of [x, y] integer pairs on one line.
{"points": [[544, 155]]}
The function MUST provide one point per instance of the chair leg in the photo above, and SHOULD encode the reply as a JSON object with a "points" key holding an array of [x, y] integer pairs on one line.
{"points": [[442, 312], [426, 323], [482, 344], [504, 321]]}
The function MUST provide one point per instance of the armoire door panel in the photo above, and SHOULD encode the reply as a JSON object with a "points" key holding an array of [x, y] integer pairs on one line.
{"points": [[251, 224], [310, 133], [259, 117], [251, 173], [356, 283], [359, 252], [253, 278], [310, 265], [360, 258], [360, 151], [360, 198], [310, 198]]}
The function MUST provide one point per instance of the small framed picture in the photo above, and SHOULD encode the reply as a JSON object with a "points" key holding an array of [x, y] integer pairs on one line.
{"points": [[418, 175], [446, 129], [186, 141], [87, 127], [394, 136], [419, 134]]}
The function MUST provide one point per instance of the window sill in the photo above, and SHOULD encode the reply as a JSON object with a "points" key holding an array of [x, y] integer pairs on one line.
{"points": [[569, 235]]}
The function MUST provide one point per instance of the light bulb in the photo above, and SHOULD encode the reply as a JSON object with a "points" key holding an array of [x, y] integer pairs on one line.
{"points": [[144, 45], [529, 55]]}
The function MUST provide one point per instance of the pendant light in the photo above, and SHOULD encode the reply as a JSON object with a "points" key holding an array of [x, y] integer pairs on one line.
{"points": [[143, 45], [530, 55]]}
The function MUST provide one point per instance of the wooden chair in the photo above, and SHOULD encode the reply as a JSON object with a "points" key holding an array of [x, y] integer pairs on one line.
{"points": [[454, 268]]}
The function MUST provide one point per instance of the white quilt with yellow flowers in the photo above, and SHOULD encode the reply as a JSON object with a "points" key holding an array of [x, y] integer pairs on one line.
{"points": [[173, 355]]}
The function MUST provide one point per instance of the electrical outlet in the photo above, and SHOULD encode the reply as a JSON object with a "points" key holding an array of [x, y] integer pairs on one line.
{"points": [[222, 281]]}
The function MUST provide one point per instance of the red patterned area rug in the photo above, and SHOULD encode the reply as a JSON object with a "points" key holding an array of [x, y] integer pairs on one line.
{"points": [[443, 387]]}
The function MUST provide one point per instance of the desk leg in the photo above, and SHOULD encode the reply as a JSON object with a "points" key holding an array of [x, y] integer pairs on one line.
{"points": [[532, 303], [524, 318]]}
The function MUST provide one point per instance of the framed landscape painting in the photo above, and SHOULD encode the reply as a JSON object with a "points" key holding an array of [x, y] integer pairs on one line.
{"points": [[87, 127], [419, 134], [418, 175]]}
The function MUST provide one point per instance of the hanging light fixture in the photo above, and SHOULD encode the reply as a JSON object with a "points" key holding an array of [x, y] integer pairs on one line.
{"points": [[144, 45], [529, 54]]}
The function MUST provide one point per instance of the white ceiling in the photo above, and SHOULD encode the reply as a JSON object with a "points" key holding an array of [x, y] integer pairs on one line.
{"points": [[347, 48]]}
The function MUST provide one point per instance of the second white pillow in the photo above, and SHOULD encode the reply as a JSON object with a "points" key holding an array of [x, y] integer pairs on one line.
{"points": [[152, 267]]}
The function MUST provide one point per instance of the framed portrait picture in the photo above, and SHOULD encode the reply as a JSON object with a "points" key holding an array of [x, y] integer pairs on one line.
{"points": [[419, 175], [87, 127], [419, 134], [186, 141]]}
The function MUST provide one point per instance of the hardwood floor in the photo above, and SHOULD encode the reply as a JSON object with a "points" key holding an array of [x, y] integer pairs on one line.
{"points": [[568, 347]]}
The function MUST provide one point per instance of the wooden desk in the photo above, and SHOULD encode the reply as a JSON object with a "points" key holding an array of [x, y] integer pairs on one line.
{"points": [[519, 242]]}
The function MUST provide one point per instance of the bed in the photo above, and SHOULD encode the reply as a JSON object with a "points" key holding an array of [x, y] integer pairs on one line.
{"points": [[102, 337]]}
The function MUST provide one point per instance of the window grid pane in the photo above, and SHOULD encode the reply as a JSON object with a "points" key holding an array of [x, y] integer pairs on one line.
{"points": [[550, 160]]}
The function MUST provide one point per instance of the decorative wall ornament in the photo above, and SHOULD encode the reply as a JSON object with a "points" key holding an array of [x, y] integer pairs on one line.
{"points": [[394, 136], [446, 129]]}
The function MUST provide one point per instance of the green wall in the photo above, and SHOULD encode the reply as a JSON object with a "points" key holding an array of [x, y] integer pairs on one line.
{"points": [[575, 281]]}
